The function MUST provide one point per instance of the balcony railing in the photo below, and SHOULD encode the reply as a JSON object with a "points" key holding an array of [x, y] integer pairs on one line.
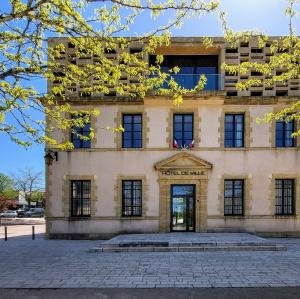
{"points": [[189, 81]]}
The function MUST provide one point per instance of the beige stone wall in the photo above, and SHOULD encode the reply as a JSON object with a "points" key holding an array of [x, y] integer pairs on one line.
{"points": [[106, 163]]}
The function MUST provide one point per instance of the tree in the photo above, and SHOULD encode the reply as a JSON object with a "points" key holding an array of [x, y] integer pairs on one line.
{"points": [[28, 182], [7, 187], [7, 194], [91, 28], [285, 58], [39, 198]]}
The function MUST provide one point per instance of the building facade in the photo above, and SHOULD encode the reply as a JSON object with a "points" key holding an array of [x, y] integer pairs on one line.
{"points": [[206, 166]]}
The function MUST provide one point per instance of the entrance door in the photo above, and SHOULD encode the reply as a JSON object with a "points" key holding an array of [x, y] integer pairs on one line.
{"points": [[182, 207]]}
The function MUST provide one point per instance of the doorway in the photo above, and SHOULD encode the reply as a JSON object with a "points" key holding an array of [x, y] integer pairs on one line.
{"points": [[182, 208]]}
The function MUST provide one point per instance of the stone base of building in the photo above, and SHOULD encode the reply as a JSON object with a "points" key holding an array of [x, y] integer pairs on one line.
{"points": [[74, 236]]}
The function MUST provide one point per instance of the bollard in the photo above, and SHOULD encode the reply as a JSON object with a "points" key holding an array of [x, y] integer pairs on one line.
{"points": [[33, 236], [5, 233]]}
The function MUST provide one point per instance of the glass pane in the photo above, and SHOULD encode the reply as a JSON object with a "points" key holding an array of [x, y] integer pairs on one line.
{"points": [[239, 118], [137, 135], [191, 219], [229, 118], [188, 127], [137, 119], [179, 214], [137, 127], [183, 190], [137, 143], [188, 118], [229, 126], [178, 136], [178, 127], [188, 136], [127, 127], [229, 143], [127, 143], [178, 118]]}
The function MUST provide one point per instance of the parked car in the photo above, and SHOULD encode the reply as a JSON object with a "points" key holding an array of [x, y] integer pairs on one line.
{"points": [[9, 214], [21, 213], [35, 212]]}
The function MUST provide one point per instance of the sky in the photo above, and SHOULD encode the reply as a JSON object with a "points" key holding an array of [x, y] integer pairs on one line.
{"points": [[266, 16]]}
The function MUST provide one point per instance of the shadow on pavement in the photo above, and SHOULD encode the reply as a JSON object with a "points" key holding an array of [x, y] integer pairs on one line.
{"points": [[177, 293]]}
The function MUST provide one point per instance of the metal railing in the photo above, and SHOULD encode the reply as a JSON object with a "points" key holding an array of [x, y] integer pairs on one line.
{"points": [[189, 81]]}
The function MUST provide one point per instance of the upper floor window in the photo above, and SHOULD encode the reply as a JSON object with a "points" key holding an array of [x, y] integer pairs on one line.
{"points": [[234, 130], [233, 197], [132, 198], [284, 131], [191, 68], [79, 132], [285, 194], [183, 130], [132, 136], [80, 198]]}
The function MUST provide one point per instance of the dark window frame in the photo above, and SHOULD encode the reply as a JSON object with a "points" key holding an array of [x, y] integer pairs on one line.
{"points": [[132, 207], [234, 198], [183, 132], [234, 139], [285, 208], [283, 138], [84, 131], [132, 124], [82, 200]]}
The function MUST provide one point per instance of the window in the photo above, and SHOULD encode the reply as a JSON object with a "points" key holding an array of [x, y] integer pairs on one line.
{"points": [[233, 197], [284, 131], [132, 137], [234, 130], [80, 198], [183, 130], [132, 198], [284, 196], [78, 132]]}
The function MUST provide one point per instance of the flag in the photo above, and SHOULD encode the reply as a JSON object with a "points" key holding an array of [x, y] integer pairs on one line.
{"points": [[191, 145], [175, 143]]}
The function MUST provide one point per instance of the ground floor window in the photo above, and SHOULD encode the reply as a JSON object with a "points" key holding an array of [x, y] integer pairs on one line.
{"points": [[285, 194], [132, 198], [80, 198], [233, 197]]}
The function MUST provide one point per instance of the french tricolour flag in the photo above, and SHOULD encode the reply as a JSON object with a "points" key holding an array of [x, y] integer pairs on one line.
{"points": [[175, 143]]}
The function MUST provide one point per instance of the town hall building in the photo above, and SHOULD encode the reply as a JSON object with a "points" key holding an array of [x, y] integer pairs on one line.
{"points": [[206, 166]]}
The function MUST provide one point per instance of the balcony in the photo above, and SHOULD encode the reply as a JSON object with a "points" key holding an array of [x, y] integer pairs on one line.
{"points": [[189, 81]]}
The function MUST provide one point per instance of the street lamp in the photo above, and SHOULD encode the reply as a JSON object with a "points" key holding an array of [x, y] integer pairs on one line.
{"points": [[50, 156]]}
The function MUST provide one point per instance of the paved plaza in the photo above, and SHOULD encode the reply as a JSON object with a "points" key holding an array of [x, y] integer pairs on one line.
{"points": [[43, 263]]}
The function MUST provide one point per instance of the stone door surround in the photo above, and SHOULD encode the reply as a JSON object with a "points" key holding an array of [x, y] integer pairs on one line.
{"points": [[183, 168]]}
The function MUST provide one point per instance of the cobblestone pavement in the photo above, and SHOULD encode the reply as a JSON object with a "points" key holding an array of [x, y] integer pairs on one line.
{"points": [[25, 263]]}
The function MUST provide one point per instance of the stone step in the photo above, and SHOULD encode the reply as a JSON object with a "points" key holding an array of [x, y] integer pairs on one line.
{"points": [[207, 248]]}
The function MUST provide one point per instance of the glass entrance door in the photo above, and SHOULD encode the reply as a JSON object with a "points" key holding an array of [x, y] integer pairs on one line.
{"points": [[183, 208]]}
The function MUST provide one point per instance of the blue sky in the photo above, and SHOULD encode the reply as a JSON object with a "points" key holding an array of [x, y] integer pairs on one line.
{"points": [[264, 15]]}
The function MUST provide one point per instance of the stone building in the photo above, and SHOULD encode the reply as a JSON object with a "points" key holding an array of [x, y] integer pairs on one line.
{"points": [[234, 175]]}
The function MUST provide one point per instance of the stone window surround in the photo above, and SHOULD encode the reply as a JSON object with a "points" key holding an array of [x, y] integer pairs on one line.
{"points": [[145, 129], [196, 125], [67, 133], [272, 191], [247, 126], [118, 196], [246, 196], [272, 132], [67, 196]]}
